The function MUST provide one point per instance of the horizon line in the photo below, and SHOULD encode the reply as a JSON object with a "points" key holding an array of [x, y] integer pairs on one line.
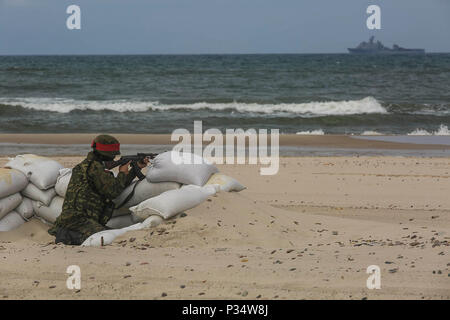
{"points": [[186, 54]]}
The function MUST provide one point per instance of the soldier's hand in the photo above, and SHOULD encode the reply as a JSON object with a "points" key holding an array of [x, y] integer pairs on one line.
{"points": [[142, 164], [125, 168]]}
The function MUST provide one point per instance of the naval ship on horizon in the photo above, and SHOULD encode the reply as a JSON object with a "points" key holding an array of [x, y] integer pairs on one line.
{"points": [[372, 47]]}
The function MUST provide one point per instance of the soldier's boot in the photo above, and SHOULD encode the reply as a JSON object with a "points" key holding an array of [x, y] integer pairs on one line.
{"points": [[69, 237]]}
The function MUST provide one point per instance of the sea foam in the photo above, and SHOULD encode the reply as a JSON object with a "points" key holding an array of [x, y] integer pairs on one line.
{"points": [[371, 133], [367, 105], [312, 132], [442, 131]]}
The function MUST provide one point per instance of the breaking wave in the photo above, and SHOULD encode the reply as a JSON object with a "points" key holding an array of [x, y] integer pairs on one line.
{"points": [[442, 131], [371, 133], [368, 105], [318, 132]]}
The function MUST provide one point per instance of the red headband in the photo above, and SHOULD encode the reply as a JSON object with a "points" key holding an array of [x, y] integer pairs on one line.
{"points": [[105, 147]]}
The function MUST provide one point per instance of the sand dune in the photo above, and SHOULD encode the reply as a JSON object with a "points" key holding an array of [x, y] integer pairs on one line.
{"points": [[309, 232]]}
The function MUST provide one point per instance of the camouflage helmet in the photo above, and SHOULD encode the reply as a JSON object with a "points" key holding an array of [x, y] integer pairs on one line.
{"points": [[106, 145]]}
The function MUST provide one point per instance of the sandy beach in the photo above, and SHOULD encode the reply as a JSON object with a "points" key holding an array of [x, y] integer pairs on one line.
{"points": [[309, 232]]}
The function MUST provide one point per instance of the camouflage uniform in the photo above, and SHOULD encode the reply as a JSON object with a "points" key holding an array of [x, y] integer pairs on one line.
{"points": [[89, 195]]}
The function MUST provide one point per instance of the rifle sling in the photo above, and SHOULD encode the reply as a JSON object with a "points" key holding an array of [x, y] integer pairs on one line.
{"points": [[128, 196]]}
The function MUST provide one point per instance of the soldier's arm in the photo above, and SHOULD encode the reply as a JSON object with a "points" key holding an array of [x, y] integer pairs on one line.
{"points": [[108, 185]]}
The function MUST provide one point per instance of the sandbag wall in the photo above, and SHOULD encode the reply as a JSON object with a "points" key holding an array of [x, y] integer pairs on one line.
{"points": [[26, 184], [33, 185], [141, 190]]}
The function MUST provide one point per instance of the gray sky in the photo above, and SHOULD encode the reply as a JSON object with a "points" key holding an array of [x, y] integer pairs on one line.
{"points": [[218, 26]]}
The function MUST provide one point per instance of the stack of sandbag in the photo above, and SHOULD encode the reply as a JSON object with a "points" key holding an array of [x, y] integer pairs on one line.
{"points": [[134, 194], [199, 177], [11, 183], [160, 196], [163, 176], [42, 174], [52, 208], [174, 183], [152, 211], [170, 203]]}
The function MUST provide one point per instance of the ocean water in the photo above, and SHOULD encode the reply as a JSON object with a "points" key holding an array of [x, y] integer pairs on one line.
{"points": [[305, 94]]}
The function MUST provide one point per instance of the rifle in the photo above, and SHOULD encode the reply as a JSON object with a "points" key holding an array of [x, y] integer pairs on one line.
{"points": [[134, 162]]}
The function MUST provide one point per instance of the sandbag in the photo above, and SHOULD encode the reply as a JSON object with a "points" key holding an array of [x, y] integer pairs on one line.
{"points": [[11, 221], [34, 193], [25, 209], [11, 181], [120, 222], [62, 182], [9, 203], [173, 202], [51, 212], [144, 190], [107, 237], [151, 222], [226, 183], [41, 171], [186, 172]]}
